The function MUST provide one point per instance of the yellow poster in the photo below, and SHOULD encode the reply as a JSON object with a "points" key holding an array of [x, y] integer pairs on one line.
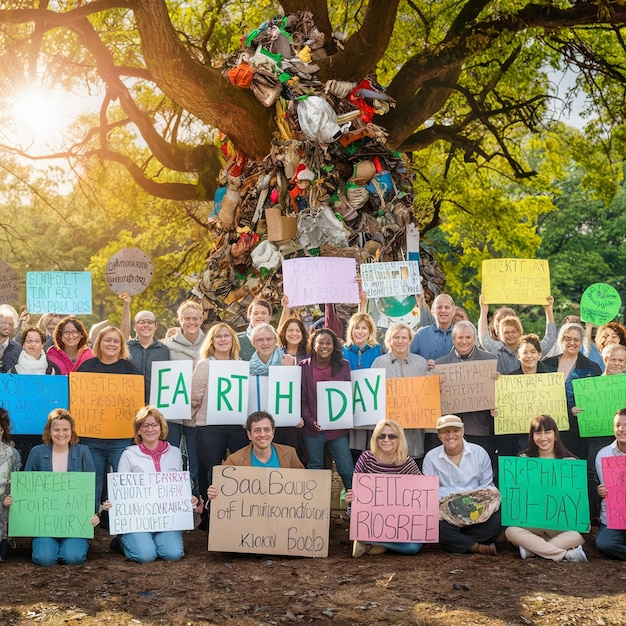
{"points": [[516, 281]]}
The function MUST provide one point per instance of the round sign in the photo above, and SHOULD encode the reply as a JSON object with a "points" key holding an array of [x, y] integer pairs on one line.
{"points": [[600, 303], [129, 270], [9, 284]]}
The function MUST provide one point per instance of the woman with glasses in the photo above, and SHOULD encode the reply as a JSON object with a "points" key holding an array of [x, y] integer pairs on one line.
{"points": [[387, 455], [151, 454], [33, 359], [70, 348], [573, 364]]}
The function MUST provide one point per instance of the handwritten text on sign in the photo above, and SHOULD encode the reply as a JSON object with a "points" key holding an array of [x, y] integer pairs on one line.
{"points": [[369, 396], [467, 386], [544, 493], [521, 397], [599, 304], [52, 504], [614, 474], [599, 398], [279, 393], [414, 402], [516, 281], [312, 280], [270, 511], [395, 508], [104, 405], [62, 292], [334, 404], [396, 278], [29, 398], [9, 284], [170, 388], [149, 502]]}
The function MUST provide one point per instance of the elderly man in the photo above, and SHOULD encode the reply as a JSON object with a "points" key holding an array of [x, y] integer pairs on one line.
{"points": [[9, 349], [464, 468], [611, 542], [478, 424], [145, 349], [434, 341]]}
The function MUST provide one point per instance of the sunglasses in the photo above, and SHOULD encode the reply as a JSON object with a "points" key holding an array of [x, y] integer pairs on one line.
{"points": [[390, 436]]}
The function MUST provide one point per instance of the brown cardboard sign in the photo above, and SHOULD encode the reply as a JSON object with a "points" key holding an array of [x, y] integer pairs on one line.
{"points": [[129, 270]]}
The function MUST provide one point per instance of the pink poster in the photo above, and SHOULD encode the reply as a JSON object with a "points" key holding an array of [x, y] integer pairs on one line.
{"points": [[614, 472], [395, 508]]}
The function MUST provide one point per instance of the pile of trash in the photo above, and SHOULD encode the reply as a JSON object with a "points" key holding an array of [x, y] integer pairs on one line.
{"points": [[328, 187]]}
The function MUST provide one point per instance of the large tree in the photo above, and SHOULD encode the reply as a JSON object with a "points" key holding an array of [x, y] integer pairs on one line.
{"points": [[466, 73]]}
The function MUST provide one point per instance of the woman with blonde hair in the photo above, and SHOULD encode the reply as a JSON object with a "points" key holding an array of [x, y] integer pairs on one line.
{"points": [[388, 454]]}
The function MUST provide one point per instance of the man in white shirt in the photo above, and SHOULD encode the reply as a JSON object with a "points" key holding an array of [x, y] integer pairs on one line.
{"points": [[462, 467]]}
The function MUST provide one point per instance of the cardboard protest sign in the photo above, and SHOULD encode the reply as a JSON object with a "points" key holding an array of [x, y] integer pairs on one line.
{"points": [[395, 278], [67, 293], [395, 508], [467, 386], [544, 493], [228, 393], [369, 396], [153, 502], [599, 398], [9, 284], [128, 270], [170, 388], [270, 511], [334, 404], [52, 504], [312, 280], [29, 398], [599, 304], [104, 405], [614, 479], [516, 281], [414, 402], [521, 397]]}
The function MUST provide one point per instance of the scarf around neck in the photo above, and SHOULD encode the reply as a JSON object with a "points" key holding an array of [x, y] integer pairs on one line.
{"points": [[27, 364], [258, 368], [157, 453]]}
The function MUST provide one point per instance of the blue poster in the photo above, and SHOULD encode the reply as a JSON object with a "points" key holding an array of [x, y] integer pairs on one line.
{"points": [[67, 293]]}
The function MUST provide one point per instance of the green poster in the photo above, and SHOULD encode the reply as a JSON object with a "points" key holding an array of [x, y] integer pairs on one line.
{"points": [[599, 398], [52, 504], [544, 493], [599, 304]]}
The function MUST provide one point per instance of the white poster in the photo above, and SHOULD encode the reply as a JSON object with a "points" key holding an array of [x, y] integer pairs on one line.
{"points": [[170, 388]]}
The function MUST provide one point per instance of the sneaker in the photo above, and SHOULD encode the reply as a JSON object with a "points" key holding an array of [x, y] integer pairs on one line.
{"points": [[576, 555], [359, 549], [525, 554], [377, 549]]}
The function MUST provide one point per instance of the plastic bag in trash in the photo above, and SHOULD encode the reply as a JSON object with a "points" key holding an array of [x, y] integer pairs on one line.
{"points": [[320, 225], [265, 255], [318, 120]]}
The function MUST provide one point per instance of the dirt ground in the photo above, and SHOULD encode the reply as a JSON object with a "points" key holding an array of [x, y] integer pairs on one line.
{"points": [[432, 588]]}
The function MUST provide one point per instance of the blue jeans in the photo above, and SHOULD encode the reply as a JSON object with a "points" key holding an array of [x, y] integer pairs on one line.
{"points": [[340, 451], [409, 549], [48, 551], [179, 433], [105, 452], [612, 542], [147, 547]]}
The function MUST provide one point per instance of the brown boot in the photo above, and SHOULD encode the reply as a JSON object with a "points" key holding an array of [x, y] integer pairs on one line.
{"points": [[481, 548]]}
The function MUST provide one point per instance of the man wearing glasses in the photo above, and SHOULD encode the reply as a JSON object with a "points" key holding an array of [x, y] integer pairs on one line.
{"points": [[145, 349]]}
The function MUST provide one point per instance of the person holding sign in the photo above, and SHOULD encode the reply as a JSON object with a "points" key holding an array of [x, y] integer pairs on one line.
{"points": [[400, 363], [9, 349], [32, 358], [434, 341], [9, 462], [465, 485], [111, 357], [573, 364], [294, 338], [509, 330], [326, 363], [70, 349], [185, 344], [388, 454], [544, 442], [611, 541], [60, 452], [213, 440], [152, 453]]}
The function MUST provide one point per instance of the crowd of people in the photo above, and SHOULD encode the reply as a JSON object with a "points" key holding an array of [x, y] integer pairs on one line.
{"points": [[462, 451]]}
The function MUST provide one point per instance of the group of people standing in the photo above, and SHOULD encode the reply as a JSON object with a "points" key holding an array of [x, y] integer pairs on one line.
{"points": [[462, 451]]}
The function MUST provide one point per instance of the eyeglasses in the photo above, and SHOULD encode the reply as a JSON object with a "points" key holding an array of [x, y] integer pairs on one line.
{"points": [[572, 339], [390, 436], [70, 333], [152, 426]]}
